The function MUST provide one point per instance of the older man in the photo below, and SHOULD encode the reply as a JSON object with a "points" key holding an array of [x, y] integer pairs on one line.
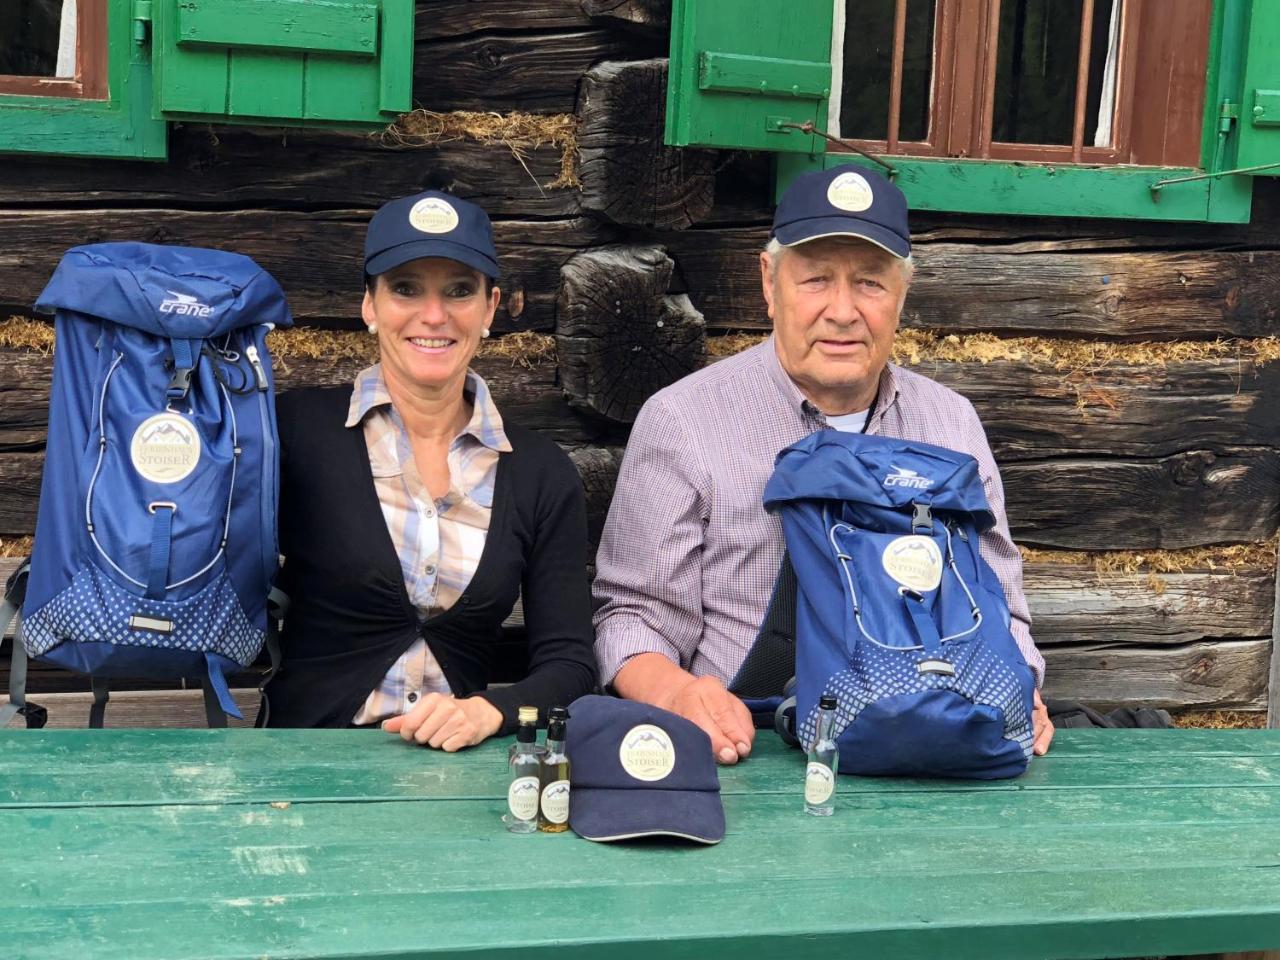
{"points": [[689, 556]]}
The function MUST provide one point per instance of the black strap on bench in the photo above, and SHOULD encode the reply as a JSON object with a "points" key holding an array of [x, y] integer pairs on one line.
{"points": [[15, 593]]}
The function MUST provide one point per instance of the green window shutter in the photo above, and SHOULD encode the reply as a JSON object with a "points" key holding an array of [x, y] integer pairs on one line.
{"points": [[739, 70], [291, 62], [1260, 107]]}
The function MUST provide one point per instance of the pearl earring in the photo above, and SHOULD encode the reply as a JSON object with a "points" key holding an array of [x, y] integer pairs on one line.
{"points": [[485, 333], [373, 328]]}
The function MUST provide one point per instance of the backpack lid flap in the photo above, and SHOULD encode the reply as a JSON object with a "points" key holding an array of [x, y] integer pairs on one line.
{"points": [[882, 471], [174, 292]]}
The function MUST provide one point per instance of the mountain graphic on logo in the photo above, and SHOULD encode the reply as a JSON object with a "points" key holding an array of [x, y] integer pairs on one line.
{"points": [[647, 737], [166, 433], [524, 788], [821, 772], [557, 792], [183, 298]]}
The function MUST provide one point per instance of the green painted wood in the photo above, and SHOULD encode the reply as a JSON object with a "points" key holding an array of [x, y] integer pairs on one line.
{"points": [[1260, 103], [304, 25], [262, 84], [292, 63], [120, 126], [996, 187], [707, 105], [1077, 859]]}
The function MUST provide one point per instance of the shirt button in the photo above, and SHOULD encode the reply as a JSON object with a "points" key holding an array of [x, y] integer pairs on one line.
{"points": [[430, 569], [412, 698], [429, 512]]}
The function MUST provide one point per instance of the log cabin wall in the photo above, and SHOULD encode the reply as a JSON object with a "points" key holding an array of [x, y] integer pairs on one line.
{"points": [[1141, 479]]}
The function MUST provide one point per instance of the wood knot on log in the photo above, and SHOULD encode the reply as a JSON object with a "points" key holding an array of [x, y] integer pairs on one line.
{"points": [[627, 173], [620, 336]]}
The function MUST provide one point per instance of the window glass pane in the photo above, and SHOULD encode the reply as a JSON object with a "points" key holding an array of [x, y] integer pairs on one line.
{"points": [[34, 41], [1036, 69], [868, 66]]}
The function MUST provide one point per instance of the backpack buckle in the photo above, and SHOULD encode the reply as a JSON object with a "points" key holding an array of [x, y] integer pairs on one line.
{"points": [[179, 383], [921, 517]]}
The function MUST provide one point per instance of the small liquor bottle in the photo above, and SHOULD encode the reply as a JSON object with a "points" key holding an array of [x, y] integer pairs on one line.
{"points": [[553, 777], [820, 774], [522, 794]]}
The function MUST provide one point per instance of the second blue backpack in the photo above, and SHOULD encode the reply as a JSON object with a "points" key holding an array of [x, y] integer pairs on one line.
{"points": [[897, 614], [155, 542]]}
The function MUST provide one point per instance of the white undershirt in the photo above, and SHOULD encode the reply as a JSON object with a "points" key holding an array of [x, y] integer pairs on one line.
{"points": [[849, 422]]}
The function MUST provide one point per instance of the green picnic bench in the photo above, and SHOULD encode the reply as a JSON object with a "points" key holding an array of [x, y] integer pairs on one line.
{"points": [[145, 844]]}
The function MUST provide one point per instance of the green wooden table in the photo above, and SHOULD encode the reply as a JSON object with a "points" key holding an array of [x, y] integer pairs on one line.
{"points": [[145, 844]]}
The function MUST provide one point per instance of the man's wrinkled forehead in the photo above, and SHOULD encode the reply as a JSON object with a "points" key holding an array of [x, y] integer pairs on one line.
{"points": [[842, 250]]}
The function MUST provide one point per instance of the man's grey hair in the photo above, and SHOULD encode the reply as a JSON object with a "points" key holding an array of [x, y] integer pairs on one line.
{"points": [[774, 250]]}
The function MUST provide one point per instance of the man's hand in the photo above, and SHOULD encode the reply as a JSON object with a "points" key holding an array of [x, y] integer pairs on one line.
{"points": [[652, 678], [1042, 726], [442, 722]]}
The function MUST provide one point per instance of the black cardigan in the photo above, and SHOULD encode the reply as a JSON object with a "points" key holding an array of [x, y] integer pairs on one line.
{"points": [[350, 617]]}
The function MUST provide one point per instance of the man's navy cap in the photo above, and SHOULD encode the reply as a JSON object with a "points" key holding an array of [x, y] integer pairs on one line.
{"points": [[845, 201], [430, 224], [640, 771]]}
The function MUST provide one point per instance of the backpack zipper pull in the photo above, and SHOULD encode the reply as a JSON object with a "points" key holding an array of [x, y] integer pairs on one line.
{"points": [[259, 374]]}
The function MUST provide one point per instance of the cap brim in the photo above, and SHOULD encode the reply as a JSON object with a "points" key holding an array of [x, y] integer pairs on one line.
{"points": [[417, 249], [815, 228], [612, 814]]}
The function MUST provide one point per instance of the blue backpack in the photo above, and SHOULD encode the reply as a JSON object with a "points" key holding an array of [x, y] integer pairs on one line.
{"points": [[896, 614], [155, 543]]}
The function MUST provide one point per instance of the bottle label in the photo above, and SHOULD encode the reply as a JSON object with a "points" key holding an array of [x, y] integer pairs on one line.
{"points": [[819, 783], [555, 801], [522, 798]]}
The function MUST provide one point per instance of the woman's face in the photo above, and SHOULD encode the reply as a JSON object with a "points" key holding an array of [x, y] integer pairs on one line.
{"points": [[430, 314]]}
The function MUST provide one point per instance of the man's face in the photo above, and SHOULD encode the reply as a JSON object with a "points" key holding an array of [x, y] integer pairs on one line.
{"points": [[835, 304]]}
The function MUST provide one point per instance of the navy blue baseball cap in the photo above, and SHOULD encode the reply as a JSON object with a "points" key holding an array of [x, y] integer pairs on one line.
{"points": [[430, 224], [845, 201], [640, 771]]}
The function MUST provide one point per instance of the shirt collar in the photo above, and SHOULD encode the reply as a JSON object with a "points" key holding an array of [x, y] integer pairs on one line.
{"points": [[886, 391], [370, 392]]}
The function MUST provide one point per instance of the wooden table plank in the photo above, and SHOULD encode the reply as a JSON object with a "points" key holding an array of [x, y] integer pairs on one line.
{"points": [[147, 844]]}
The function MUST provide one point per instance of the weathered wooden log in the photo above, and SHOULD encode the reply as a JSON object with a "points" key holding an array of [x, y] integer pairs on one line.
{"points": [[619, 335], [20, 483], [317, 257], [533, 72], [1232, 496], [1071, 603], [1046, 290], [598, 467], [455, 18], [627, 173], [1217, 675], [248, 167], [645, 13]]}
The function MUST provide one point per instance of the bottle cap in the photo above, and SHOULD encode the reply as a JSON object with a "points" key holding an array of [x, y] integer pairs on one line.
{"points": [[528, 715], [827, 702], [558, 713]]}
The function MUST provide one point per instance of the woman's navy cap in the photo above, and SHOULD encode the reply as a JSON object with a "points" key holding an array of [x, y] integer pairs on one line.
{"points": [[640, 771], [430, 224], [845, 201]]}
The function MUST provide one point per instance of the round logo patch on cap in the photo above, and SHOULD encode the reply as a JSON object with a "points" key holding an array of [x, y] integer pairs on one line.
{"points": [[915, 562], [646, 753], [851, 192], [433, 215], [165, 448]]}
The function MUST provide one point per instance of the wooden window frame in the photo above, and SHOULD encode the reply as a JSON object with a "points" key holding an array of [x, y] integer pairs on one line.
{"points": [[90, 80], [962, 103]]}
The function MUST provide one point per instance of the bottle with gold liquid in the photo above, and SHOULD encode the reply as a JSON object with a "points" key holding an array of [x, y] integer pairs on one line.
{"points": [[553, 778], [523, 792]]}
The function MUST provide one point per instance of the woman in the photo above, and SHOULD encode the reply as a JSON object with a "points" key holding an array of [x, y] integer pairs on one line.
{"points": [[412, 514]]}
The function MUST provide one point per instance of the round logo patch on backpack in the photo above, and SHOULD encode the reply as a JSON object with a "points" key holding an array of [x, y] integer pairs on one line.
{"points": [[913, 561], [165, 448]]}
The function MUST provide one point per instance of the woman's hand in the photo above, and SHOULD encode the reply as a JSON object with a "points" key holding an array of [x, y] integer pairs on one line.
{"points": [[445, 723]]}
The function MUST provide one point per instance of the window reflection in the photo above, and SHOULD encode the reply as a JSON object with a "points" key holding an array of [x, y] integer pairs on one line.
{"points": [[38, 38]]}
